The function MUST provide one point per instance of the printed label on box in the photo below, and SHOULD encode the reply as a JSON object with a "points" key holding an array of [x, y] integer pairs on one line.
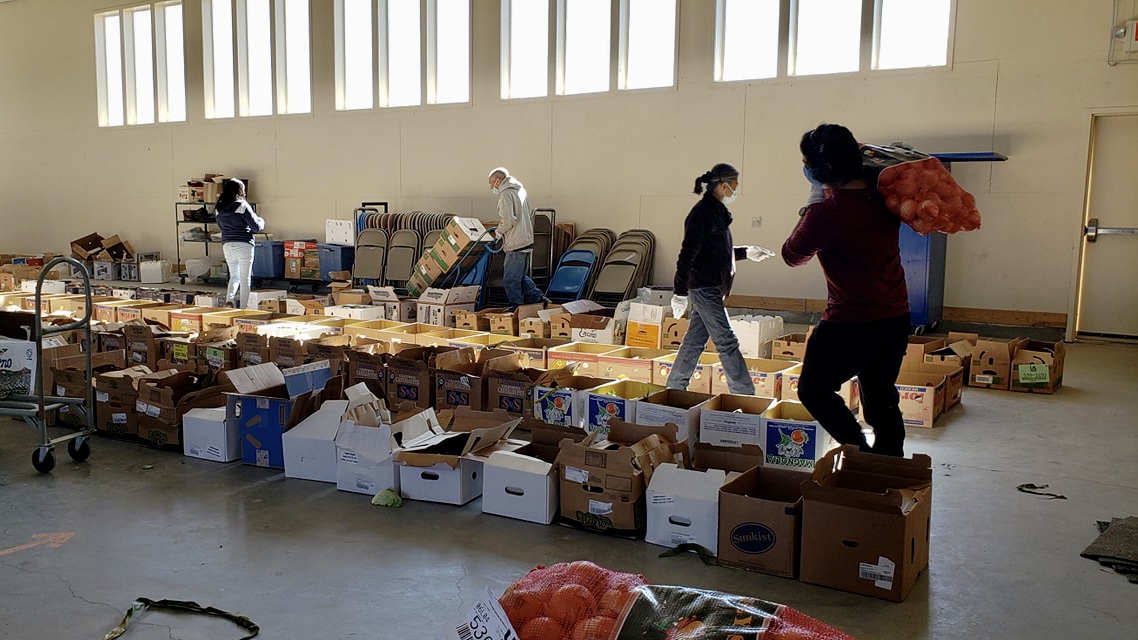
{"points": [[1034, 373], [598, 508], [602, 409], [102, 396], [985, 379], [118, 418], [573, 474], [881, 573], [791, 445], [662, 499]]}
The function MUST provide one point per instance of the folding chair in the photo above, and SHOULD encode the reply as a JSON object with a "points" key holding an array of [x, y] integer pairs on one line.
{"points": [[371, 255], [403, 251]]}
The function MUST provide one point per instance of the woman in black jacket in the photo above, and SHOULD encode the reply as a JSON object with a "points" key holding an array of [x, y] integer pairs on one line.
{"points": [[705, 270], [238, 222]]}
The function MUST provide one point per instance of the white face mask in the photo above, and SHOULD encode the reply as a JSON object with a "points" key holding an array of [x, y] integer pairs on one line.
{"points": [[731, 198], [494, 190]]}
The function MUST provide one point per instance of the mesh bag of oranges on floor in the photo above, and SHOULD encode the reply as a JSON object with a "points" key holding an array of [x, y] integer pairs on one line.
{"points": [[582, 601], [919, 188]]}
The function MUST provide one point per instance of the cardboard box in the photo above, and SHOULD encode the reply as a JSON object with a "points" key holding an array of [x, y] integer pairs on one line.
{"points": [[564, 403], [523, 484], [271, 402], [791, 347], [116, 396], [672, 406], [701, 376], [447, 467], [533, 328], [209, 435], [507, 322], [614, 400], [992, 363], [474, 320], [922, 397], [865, 523], [460, 235], [732, 421], [510, 386], [958, 353], [439, 306], [460, 378], [645, 325], [86, 247], [756, 334], [160, 314], [672, 332], [305, 306], [850, 391], [683, 507], [396, 309], [597, 328], [560, 322], [603, 484], [355, 297], [478, 341], [410, 374], [1038, 367], [767, 375], [361, 312], [262, 295], [368, 438], [760, 521], [340, 232], [737, 459], [374, 329], [793, 438], [230, 317], [310, 447], [631, 363], [535, 350], [155, 272], [919, 347], [580, 354], [954, 381], [446, 337], [163, 401]]}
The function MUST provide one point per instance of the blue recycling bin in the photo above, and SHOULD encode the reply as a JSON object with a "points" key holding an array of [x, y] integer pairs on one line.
{"points": [[268, 259], [923, 258], [335, 257]]}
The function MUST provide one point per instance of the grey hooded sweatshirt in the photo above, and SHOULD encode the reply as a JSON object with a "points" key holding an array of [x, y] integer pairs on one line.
{"points": [[515, 217]]}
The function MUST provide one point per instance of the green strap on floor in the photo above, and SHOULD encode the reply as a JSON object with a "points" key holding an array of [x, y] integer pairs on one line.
{"points": [[142, 605], [703, 552]]}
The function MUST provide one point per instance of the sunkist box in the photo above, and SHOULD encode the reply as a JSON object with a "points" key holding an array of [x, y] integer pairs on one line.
{"points": [[760, 520], [865, 523]]}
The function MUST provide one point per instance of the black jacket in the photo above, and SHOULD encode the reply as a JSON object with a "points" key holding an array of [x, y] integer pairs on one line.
{"points": [[708, 254], [238, 222]]}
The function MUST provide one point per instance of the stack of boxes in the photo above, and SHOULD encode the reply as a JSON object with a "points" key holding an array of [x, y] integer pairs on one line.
{"points": [[460, 246]]}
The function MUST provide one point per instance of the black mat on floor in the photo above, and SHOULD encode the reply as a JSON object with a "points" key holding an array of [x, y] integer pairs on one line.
{"points": [[1117, 546]]}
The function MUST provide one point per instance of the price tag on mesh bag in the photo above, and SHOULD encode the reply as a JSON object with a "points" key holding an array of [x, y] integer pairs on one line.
{"points": [[1034, 373], [484, 620]]}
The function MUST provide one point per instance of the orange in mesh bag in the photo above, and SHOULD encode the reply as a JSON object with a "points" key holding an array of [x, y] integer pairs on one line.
{"points": [[919, 189], [582, 601]]}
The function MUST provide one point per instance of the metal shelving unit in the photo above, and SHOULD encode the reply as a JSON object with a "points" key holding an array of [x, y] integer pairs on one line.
{"points": [[179, 207]]}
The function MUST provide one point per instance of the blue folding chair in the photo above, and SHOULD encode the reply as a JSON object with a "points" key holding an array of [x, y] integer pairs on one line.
{"points": [[571, 277]]}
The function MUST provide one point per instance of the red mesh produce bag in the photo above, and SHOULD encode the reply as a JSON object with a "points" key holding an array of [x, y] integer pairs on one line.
{"points": [[582, 601], [919, 189]]}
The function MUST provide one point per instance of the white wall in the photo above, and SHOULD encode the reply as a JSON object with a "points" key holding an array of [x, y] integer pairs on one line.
{"points": [[1026, 76]]}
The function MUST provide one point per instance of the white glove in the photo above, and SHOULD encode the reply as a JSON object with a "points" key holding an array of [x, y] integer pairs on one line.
{"points": [[817, 194], [758, 254], [679, 306]]}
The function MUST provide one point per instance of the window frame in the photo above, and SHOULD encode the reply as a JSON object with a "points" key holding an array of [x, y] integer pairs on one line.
{"points": [[241, 51], [561, 44], [161, 49], [280, 59], [127, 68], [622, 52], [869, 44], [430, 40], [505, 53]]}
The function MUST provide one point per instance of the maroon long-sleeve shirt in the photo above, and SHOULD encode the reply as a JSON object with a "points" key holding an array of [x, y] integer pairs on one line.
{"points": [[856, 240]]}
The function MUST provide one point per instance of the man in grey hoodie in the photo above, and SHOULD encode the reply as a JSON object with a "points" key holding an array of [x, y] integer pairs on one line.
{"points": [[515, 232]]}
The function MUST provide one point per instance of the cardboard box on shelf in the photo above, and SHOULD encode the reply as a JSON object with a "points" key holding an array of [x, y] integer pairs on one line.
{"points": [[865, 523], [683, 507], [791, 346], [535, 350], [733, 421], [767, 375], [793, 438], [701, 376], [209, 435], [1038, 367], [760, 520], [616, 400], [672, 406], [447, 466], [922, 397], [630, 363], [564, 403], [523, 484], [992, 363], [603, 484]]}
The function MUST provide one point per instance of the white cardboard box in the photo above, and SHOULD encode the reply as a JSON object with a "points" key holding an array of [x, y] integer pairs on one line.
{"points": [[155, 272], [209, 434], [518, 486], [52, 287], [310, 447], [360, 312], [257, 297], [683, 507], [732, 421], [364, 453], [441, 482], [667, 407], [340, 232]]}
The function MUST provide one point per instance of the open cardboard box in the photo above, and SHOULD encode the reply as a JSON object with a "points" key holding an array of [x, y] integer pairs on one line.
{"points": [[683, 507], [535, 350], [732, 421], [447, 466], [760, 520], [615, 400], [560, 321], [563, 401], [922, 397], [523, 484], [631, 363], [584, 355], [865, 523], [992, 363], [793, 438], [510, 386], [672, 406], [766, 374], [700, 381], [460, 377], [1038, 367]]}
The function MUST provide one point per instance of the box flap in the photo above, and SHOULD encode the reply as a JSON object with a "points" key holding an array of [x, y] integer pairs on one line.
{"points": [[581, 306], [670, 480], [456, 360], [250, 380], [627, 433]]}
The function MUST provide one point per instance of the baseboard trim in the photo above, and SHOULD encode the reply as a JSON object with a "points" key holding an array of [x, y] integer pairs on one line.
{"points": [[951, 314]]}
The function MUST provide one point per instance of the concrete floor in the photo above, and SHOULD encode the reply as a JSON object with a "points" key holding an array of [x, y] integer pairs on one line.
{"points": [[306, 561]]}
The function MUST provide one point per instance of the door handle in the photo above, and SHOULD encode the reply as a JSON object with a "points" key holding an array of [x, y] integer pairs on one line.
{"points": [[1092, 231]]}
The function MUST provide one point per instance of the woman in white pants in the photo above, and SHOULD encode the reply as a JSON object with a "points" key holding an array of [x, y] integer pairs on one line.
{"points": [[238, 222]]}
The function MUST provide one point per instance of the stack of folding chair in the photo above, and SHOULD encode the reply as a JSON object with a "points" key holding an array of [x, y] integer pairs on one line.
{"points": [[626, 268]]}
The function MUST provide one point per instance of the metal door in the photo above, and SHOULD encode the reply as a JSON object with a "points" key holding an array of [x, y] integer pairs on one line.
{"points": [[1108, 300]]}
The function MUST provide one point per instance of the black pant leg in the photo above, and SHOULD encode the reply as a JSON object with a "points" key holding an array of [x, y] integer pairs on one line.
{"points": [[879, 397], [833, 356]]}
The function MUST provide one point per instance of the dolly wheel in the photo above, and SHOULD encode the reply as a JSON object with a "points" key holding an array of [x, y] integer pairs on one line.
{"points": [[79, 449], [43, 460]]}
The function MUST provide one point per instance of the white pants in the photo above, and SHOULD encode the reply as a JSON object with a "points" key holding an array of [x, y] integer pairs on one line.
{"points": [[239, 258]]}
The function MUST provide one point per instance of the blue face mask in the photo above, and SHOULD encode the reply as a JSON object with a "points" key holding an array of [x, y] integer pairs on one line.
{"points": [[809, 173]]}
